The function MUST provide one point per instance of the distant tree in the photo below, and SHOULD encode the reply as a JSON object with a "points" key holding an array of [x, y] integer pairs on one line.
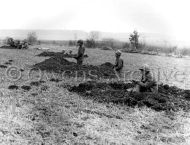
{"points": [[90, 43], [134, 39], [72, 43], [92, 38], [94, 35], [32, 38]]}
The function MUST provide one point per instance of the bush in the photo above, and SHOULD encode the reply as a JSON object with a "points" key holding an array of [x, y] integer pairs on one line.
{"points": [[134, 39], [109, 43], [90, 43], [32, 38], [72, 43], [184, 51]]}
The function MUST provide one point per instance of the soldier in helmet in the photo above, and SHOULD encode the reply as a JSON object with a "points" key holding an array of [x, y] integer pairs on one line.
{"points": [[18, 44], [24, 45], [118, 63], [81, 51], [147, 82]]}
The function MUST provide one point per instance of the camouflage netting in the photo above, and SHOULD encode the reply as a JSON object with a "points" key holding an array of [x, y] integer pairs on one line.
{"points": [[167, 98]]}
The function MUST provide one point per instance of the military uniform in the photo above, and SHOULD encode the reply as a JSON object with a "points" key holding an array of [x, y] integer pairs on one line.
{"points": [[81, 51], [80, 56], [147, 83], [119, 66], [118, 63]]}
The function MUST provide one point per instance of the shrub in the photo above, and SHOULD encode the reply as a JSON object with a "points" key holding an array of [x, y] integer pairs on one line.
{"points": [[110, 43], [71, 43], [90, 43], [185, 51], [32, 38]]}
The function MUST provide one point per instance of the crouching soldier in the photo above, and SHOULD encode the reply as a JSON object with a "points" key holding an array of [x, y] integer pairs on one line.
{"points": [[81, 51], [147, 83], [118, 67], [24, 45]]}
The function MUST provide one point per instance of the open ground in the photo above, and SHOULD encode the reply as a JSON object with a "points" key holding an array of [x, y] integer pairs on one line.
{"points": [[45, 112]]}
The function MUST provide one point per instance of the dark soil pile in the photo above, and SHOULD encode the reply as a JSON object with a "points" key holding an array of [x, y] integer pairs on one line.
{"points": [[8, 63], [58, 64], [3, 66], [26, 88], [52, 54], [13, 87], [36, 83], [54, 80], [167, 98]]}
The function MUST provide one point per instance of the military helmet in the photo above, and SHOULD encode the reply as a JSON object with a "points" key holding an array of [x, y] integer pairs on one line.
{"points": [[118, 52], [145, 68], [80, 42]]}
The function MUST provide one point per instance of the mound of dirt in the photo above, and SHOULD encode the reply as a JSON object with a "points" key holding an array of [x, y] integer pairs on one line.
{"points": [[54, 80], [13, 87], [107, 64], [8, 63], [58, 64], [26, 88], [3, 66], [168, 98], [52, 54], [36, 83], [21, 70]]}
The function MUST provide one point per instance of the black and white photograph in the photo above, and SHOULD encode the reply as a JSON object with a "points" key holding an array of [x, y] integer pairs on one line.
{"points": [[94, 72]]}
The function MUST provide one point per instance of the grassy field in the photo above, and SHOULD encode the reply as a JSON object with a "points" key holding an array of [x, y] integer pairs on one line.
{"points": [[48, 114]]}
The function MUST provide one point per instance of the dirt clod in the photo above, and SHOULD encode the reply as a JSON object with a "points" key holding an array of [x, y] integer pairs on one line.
{"points": [[3, 66], [75, 134], [26, 88], [54, 80], [8, 63], [36, 83], [13, 87]]}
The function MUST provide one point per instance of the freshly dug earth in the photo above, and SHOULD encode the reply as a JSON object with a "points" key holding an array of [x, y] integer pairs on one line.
{"points": [[37, 83], [57, 54], [13, 87], [3, 66], [58, 64], [167, 98], [26, 88]]}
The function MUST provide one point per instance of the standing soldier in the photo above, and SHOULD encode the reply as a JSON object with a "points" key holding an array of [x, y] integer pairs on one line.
{"points": [[118, 63], [81, 51]]}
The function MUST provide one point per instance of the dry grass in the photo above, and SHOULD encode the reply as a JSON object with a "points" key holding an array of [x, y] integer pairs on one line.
{"points": [[49, 114]]}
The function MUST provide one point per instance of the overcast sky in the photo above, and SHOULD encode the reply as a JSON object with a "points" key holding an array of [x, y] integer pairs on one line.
{"points": [[167, 17]]}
